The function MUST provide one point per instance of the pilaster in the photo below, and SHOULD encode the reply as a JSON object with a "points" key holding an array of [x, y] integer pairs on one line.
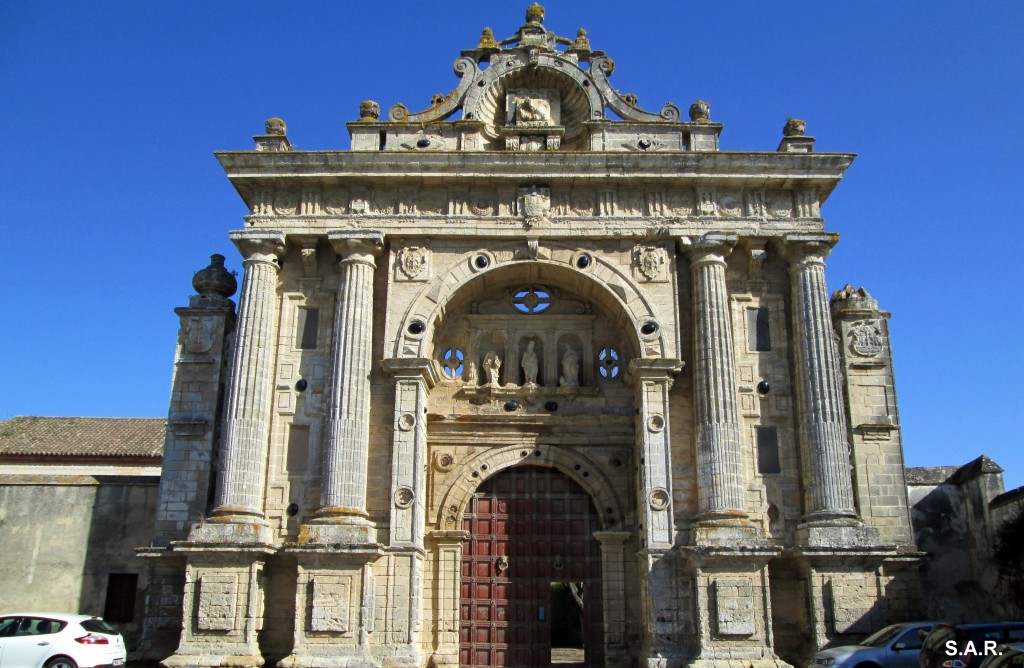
{"points": [[613, 591], [413, 377], [447, 595]]}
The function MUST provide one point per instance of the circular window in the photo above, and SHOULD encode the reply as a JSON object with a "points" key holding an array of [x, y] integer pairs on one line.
{"points": [[532, 300], [451, 363], [608, 362]]}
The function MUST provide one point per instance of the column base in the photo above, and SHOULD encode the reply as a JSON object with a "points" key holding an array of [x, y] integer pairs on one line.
{"points": [[231, 530], [342, 533], [726, 532], [837, 533]]}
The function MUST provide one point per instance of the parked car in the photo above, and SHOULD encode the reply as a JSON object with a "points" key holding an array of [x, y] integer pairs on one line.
{"points": [[967, 645], [1007, 656], [894, 646], [58, 640]]}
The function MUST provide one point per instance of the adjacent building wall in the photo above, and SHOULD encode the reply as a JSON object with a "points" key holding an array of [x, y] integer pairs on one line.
{"points": [[63, 535]]}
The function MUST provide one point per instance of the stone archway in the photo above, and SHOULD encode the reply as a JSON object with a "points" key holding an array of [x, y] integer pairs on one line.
{"points": [[530, 575]]}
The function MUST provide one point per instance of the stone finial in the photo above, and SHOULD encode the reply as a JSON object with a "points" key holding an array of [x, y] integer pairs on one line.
{"points": [[369, 111], [794, 128], [275, 126], [214, 280], [582, 43], [487, 40], [535, 14], [700, 112], [855, 298]]}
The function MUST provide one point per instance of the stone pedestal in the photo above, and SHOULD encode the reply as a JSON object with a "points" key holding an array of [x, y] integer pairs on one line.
{"points": [[733, 603], [613, 592], [335, 607], [222, 608]]}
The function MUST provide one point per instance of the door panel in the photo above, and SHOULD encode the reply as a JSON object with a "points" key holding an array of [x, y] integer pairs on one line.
{"points": [[529, 526]]}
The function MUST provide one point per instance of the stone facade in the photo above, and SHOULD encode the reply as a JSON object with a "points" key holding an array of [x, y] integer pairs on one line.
{"points": [[556, 280]]}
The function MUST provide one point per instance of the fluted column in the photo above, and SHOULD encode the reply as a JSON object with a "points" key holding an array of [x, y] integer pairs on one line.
{"points": [[240, 488], [720, 492], [343, 495], [825, 451]]}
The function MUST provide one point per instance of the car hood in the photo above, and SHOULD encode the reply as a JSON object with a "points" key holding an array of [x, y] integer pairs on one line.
{"points": [[844, 651]]}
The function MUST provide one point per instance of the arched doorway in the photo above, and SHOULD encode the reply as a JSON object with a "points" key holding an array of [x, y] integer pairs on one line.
{"points": [[531, 571]]}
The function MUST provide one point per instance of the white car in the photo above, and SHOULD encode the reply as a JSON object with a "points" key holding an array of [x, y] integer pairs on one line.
{"points": [[58, 640]]}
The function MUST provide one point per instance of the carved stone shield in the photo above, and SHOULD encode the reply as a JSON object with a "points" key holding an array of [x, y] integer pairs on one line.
{"points": [[866, 339], [412, 261], [536, 206], [198, 335], [650, 261]]}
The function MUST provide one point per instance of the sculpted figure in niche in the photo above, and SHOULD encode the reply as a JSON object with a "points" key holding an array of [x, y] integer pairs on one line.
{"points": [[570, 368], [533, 111], [492, 365], [530, 364], [471, 378]]}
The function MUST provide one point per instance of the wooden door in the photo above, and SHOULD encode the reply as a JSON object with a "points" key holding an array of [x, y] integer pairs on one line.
{"points": [[529, 527]]}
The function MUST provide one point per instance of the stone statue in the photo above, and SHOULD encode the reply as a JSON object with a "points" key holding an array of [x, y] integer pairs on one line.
{"points": [[570, 368], [530, 364], [492, 365], [275, 126], [471, 376], [533, 111]]}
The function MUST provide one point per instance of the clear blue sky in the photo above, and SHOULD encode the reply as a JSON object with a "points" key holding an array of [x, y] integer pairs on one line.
{"points": [[111, 197]]}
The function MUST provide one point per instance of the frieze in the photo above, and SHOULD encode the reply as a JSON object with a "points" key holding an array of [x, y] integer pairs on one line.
{"points": [[755, 204], [682, 202], [535, 204], [707, 205], [780, 203], [286, 203], [730, 203], [335, 201], [311, 201]]}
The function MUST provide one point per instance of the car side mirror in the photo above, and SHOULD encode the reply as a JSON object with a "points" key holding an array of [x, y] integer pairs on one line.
{"points": [[900, 645]]}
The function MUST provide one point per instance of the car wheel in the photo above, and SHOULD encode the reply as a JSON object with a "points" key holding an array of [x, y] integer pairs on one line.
{"points": [[61, 662]]}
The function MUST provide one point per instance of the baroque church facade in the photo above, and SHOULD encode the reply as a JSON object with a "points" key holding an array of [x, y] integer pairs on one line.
{"points": [[530, 341]]}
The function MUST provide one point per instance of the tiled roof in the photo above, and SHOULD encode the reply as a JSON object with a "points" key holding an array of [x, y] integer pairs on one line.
{"points": [[82, 436]]}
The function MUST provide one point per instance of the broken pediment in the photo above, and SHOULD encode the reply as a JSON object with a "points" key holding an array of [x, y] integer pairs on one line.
{"points": [[534, 91]]}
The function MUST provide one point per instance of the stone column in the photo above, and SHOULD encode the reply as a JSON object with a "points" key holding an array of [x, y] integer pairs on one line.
{"points": [[828, 487], [240, 488], [720, 490], [343, 495], [613, 592]]}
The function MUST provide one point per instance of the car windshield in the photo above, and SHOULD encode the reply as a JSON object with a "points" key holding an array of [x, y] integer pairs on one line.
{"points": [[883, 637]]}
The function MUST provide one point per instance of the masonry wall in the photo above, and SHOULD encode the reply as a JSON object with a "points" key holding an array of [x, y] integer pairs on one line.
{"points": [[69, 534]]}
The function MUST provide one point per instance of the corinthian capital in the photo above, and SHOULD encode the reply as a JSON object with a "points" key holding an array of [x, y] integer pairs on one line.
{"points": [[711, 248], [259, 245], [357, 246]]}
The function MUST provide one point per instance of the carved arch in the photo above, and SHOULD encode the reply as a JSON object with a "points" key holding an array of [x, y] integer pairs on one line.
{"points": [[605, 283], [495, 460]]}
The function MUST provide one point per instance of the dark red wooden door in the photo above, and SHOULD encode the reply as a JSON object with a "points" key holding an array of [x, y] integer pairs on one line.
{"points": [[529, 527]]}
